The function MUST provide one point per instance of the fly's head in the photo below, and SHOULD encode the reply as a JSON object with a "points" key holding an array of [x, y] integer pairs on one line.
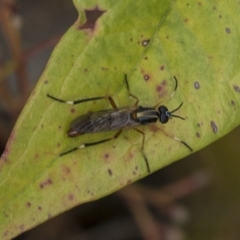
{"points": [[165, 114]]}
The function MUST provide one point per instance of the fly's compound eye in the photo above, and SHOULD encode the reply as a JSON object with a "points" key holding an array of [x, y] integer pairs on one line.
{"points": [[164, 114]]}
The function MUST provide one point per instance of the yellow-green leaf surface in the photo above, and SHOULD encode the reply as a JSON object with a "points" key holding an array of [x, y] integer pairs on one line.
{"points": [[150, 41]]}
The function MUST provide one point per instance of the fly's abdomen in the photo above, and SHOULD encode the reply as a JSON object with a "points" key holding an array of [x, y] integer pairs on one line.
{"points": [[103, 121]]}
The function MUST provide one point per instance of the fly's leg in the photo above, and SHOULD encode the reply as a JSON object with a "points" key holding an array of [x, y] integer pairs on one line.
{"points": [[129, 93], [85, 100], [142, 149], [176, 86], [185, 144], [177, 139], [97, 98], [84, 145]]}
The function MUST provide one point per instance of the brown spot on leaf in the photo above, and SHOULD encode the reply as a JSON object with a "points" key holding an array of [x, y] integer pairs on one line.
{"points": [[28, 204], [233, 103], [228, 30], [110, 172], [66, 170], [45, 183], [145, 42], [90, 193], [146, 77], [85, 69], [153, 128], [214, 127], [198, 134], [3, 158], [130, 155], [236, 88], [91, 18], [161, 88], [196, 85], [107, 157], [70, 197], [73, 110], [162, 67], [21, 227], [5, 214], [39, 208], [46, 82]]}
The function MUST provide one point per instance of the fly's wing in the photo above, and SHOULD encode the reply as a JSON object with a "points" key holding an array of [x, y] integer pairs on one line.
{"points": [[103, 121]]}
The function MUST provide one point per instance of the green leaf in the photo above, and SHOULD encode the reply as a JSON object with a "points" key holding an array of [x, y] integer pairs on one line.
{"points": [[150, 41]]}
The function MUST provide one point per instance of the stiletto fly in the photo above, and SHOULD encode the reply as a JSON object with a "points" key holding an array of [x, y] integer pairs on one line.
{"points": [[118, 119]]}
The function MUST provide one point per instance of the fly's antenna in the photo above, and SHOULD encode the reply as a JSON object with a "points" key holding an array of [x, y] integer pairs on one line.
{"points": [[176, 116], [177, 108]]}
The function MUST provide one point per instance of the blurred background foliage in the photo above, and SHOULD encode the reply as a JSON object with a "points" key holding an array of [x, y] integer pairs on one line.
{"points": [[195, 198]]}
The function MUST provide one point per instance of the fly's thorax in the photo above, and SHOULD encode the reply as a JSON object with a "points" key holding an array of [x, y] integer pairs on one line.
{"points": [[145, 115]]}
